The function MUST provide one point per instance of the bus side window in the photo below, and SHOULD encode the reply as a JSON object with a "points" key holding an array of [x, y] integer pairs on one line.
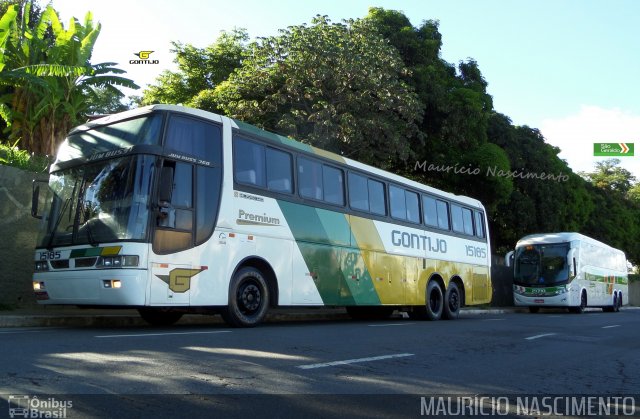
{"points": [[249, 162], [279, 175], [456, 218], [358, 192], [479, 224], [443, 214]]}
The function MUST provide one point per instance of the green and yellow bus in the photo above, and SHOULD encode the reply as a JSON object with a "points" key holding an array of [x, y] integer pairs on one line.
{"points": [[173, 210]]}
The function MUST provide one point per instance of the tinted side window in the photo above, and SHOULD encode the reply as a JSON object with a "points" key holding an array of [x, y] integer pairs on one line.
{"points": [[279, 175], [358, 192], [443, 214], [430, 212], [376, 197], [456, 218], [333, 185], [195, 138], [467, 218], [479, 224], [397, 202], [413, 207], [309, 178], [248, 162]]}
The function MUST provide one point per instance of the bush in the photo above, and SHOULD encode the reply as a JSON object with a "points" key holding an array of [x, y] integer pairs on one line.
{"points": [[10, 155]]}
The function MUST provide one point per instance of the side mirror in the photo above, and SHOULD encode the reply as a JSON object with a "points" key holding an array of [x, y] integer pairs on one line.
{"points": [[35, 198], [508, 258], [571, 260], [165, 190]]}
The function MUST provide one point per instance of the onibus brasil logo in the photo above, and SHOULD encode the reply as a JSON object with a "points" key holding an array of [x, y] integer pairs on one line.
{"points": [[22, 406], [144, 58]]}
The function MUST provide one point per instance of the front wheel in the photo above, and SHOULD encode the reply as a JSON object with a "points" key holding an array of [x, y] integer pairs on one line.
{"points": [[582, 306], [248, 299], [159, 316]]}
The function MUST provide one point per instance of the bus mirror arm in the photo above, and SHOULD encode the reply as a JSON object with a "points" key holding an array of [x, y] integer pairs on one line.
{"points": [[35, 199]]}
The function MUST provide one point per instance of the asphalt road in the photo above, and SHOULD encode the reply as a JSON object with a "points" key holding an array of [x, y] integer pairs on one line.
{"points": [[342, 368]]}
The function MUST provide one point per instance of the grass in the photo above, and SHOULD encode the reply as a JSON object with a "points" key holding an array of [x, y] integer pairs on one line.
{"points": [[10, 155]]}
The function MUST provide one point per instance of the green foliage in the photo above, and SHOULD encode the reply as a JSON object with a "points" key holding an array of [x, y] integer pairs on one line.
{"points": [[199, 70], [340, 87], [10, 155], [47, 75], [608, 175]]}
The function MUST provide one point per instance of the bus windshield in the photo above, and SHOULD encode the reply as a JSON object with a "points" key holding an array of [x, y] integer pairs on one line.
{"points": [[101, 202], [542, 264]]}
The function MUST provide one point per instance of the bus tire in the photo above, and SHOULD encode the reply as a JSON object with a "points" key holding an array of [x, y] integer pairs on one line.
{"points": [[159, 316], [618, 303], [534, 309], [614, 303], [452, 302], [434, 303], [583, 304], [248, 299]]}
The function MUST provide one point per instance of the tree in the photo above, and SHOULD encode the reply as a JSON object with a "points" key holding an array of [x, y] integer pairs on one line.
{"points": [[49, 82], [199, 70], [608, 175], [340, 87]]}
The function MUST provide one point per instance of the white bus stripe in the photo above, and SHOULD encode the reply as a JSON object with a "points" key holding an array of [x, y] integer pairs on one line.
{"points": [[352, 361], [160, 334], [539, 336]]}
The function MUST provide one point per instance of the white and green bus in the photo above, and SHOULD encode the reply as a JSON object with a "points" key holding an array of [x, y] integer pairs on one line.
{"points": [[172, 210], [569, 270]]}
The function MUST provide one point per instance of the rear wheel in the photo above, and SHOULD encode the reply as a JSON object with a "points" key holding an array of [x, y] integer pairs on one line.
{"points": [[452, 302], [248, 299], [618, 302], [159, 316]]}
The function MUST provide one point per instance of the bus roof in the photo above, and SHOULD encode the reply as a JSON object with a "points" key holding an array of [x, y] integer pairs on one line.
{"points": [[560, 238], [281, 140]]}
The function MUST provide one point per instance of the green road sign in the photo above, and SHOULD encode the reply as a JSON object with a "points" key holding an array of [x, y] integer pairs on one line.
{"points": [[613, 149]]}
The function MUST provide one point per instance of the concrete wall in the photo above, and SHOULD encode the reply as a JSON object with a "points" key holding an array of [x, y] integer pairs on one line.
{"points": [[18, 232], [634, 293]]}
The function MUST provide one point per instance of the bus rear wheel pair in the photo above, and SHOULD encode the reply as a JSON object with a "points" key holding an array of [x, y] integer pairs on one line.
{"points": [[438, 304]]}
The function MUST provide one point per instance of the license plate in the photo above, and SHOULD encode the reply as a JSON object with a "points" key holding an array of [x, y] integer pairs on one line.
{"points": [[538, 301]]}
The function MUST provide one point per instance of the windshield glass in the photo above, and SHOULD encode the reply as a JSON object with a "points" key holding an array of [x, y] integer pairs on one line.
{"points": [[101, 202], [117, 136], [542, 264]]}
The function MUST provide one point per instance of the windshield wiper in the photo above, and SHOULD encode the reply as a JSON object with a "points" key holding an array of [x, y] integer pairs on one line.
{"points": [[57, 223], [87, 225]]}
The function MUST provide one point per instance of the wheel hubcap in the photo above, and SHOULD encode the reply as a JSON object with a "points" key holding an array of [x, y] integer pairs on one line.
{"points": [[454, 301], [250, 297]]}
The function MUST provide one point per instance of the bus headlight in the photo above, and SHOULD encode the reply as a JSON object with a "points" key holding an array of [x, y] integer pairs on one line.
{"points": [[122, 261]]}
